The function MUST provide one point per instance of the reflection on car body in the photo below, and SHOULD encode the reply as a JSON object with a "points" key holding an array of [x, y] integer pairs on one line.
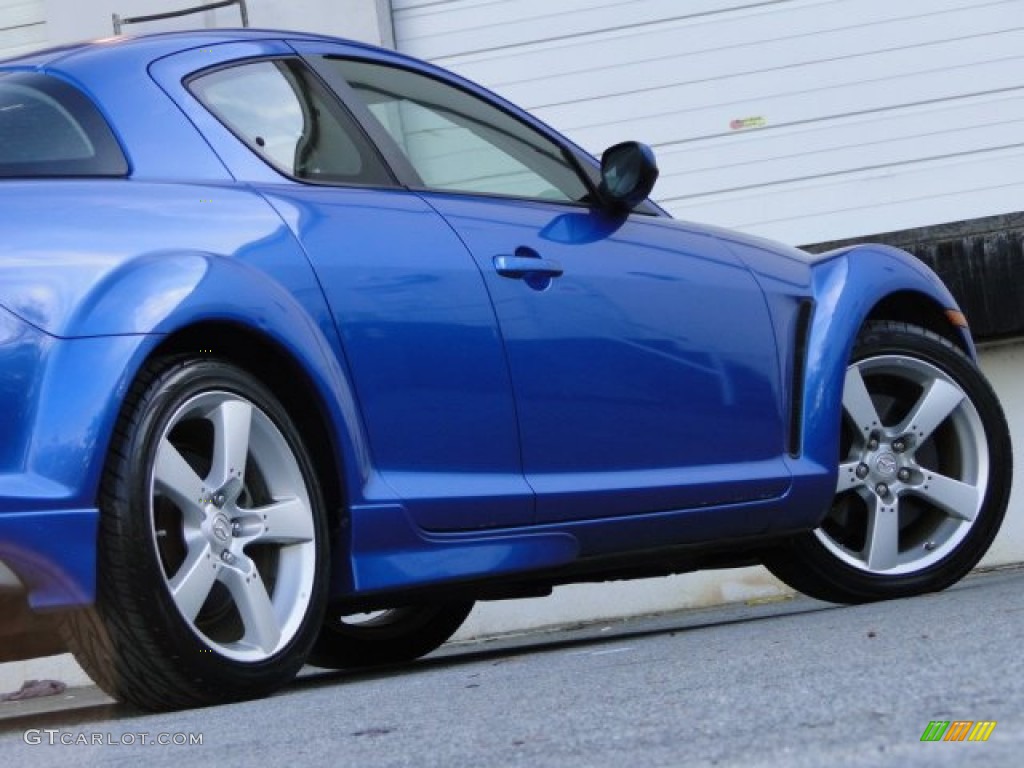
{"points": [[305, 346]]}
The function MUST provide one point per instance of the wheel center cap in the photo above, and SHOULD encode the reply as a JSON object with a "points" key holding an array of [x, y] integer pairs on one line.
{"points": [[886, 464], [221, 528]]}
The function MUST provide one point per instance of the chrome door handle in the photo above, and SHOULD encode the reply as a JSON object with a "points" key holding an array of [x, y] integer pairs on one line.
{"points": [[521, 266]]}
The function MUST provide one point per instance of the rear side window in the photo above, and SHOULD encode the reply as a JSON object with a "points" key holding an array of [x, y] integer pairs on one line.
{"points": [[287, 117], [50, 129]]}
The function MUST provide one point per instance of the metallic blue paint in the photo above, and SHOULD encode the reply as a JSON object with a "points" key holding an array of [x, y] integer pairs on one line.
{"points": [[416, 318], [645, 376], [390, 552], [46, 552], [631, 392], [847, 285]]}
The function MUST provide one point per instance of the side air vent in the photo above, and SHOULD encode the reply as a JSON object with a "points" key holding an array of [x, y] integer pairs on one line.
{"points": [[796, 404]]}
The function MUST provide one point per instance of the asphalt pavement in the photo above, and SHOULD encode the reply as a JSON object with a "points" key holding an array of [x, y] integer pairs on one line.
{"points": [[786, 683]]}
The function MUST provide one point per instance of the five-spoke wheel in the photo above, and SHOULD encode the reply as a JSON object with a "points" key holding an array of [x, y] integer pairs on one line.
{"points": [[212, 543], [923, 478], [917, 466], [233, 525]]}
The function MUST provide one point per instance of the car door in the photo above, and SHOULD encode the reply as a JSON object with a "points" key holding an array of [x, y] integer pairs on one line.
{"points": [[418, 332], [641, 352]]}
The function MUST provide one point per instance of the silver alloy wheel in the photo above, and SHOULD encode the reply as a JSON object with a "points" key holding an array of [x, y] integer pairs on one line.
{"points": [[233, 526], [915, 472]]}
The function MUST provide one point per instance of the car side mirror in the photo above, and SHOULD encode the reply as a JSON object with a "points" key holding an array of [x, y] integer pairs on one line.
{"points": [[628, 173]]}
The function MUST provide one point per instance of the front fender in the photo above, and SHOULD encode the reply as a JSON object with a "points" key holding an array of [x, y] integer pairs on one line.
{"points": [[847, 284]]}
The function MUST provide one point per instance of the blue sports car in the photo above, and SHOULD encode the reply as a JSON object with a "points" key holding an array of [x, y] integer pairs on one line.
{"points": [[305, 346]]}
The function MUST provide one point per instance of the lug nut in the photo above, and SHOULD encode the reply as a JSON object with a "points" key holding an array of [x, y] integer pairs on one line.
{"points": [[219, 499], [862, 471], [903, 474], [236, 528], [227, 557], [873, 444], [899, 445], [882, 489]]}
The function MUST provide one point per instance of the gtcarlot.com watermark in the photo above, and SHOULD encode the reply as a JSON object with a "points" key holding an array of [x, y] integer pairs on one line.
{"points": [[53, 737]]}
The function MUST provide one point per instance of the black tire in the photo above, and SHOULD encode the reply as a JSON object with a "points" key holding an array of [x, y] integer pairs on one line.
{"points": [[390, 637], [165, 633], [939, 530]]}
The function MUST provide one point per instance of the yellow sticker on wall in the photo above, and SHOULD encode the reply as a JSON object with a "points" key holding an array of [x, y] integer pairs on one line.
{"points": [[745, 123]]}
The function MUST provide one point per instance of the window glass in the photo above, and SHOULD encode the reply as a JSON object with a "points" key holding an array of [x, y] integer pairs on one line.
{"points": [[285, 116], [47, 128], [456, 141]]}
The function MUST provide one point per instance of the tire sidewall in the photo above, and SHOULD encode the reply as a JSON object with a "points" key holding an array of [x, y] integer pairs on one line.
{"points": [[131, 505], [414, 632], [897, 339]]}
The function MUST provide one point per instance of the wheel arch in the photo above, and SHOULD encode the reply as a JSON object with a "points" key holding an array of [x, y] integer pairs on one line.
{"points": [[262, 311], [853, 287], [917, 308], [835, 563], [279, 370], [273, 324]]}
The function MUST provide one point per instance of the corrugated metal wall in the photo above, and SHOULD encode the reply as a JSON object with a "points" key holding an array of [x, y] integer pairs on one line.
{"points": [[804, 120], [22, 26]]}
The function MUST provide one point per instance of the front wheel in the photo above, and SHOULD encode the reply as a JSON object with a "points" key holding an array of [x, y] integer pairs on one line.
{"points": [[924, 474], [212, 544]]}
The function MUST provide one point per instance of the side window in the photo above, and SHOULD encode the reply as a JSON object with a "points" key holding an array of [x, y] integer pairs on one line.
{"points": [[458, 142], [48, 128], [287, 117]]}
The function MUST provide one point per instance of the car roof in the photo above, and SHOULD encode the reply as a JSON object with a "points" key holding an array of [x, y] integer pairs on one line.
{"points": [[143, 49]]}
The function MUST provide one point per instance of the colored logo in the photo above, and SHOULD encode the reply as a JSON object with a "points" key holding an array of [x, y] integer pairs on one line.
{"points": [[958, 730]]}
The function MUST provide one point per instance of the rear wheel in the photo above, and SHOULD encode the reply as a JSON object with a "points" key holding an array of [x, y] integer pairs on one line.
{"points": [[924, 474], [386, 637], [212, 548]]}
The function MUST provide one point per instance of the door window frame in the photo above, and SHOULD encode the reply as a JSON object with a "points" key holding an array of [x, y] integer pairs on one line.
{"points": [[407, 174]]}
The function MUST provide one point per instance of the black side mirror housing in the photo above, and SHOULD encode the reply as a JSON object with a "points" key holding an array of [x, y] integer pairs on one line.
{"points": [[628, 173]]}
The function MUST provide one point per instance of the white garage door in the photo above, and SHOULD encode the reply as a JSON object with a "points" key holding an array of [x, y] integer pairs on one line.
{"points": [[804, 120], [22, 26]]}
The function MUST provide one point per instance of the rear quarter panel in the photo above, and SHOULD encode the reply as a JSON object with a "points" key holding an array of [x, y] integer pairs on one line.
{"points": [[116, 266]]}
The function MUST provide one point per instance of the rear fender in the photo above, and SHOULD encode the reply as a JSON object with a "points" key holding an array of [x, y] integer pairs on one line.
{"points": [[132, 310]]}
